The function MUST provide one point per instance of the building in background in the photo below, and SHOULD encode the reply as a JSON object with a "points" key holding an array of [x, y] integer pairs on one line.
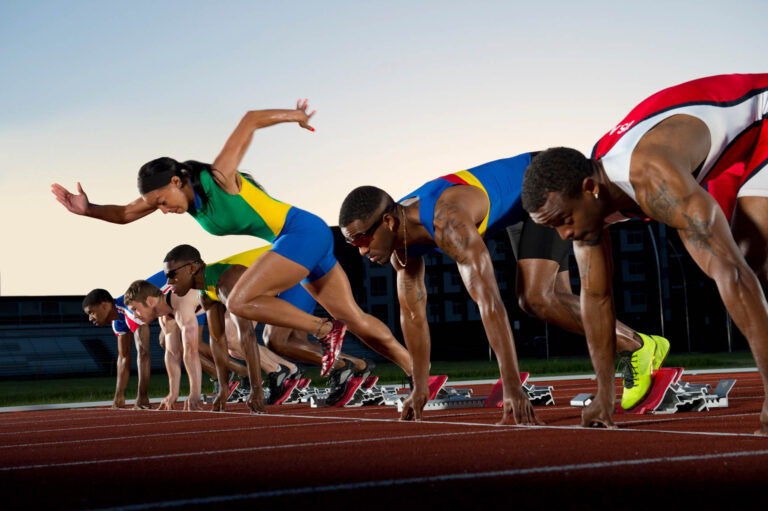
{"points": [[657, 287]]}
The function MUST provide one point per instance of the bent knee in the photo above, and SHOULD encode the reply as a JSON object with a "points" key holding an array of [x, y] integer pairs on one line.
{"points": [[535, 304]]}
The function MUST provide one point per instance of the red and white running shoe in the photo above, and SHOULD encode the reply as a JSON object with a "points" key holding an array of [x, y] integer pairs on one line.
{"points": [[331, 344]]}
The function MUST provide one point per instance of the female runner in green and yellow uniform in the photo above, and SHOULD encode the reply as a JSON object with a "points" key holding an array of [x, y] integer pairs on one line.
{"points": [[224, 202]]}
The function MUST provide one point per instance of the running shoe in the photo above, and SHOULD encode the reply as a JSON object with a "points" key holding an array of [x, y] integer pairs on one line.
{"points": [[276, 383], [662, 348], [337, 380], [636, 369], [370, 365], [331, 344]]}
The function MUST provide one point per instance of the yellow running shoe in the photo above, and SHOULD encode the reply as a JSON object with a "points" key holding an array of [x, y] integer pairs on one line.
{"points": [[636, 369], [662, 348]]}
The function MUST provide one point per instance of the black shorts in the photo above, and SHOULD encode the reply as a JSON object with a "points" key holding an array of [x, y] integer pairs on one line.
{"points": [[533, 241]]}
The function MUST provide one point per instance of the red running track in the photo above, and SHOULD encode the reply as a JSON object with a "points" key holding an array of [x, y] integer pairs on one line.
{"points": [[366, 459]]}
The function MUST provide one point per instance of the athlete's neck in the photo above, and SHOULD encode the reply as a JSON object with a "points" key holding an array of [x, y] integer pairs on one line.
{"points": [[616, 199], [416, 232]]}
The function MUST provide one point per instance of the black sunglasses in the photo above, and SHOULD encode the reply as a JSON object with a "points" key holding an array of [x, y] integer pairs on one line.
{"points": [[172, 273]]}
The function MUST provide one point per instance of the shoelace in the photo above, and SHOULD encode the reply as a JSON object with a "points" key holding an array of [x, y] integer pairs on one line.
{"points": [[628, 371]]}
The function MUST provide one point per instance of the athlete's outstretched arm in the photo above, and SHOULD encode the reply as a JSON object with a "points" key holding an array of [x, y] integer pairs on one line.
{"points": [[669, 194], [228, 161], [172, 361], [456, 235], [214, 313], [184, 311], [123, 369], [599, 319], [412, 294], [144, 365], [80, 205]]}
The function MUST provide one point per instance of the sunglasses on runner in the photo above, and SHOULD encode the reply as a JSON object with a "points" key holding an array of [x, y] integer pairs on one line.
{"points": [[363, 239], [172, 273]]}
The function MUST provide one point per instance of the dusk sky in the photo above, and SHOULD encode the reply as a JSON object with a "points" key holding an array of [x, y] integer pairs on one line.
{"points": [[405, 91]]}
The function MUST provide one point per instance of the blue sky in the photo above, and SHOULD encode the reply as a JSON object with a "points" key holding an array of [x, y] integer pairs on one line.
{"points": [[405, 91]]}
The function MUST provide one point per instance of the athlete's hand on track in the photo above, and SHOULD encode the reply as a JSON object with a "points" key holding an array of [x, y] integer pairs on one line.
{"points": [[77, 204], [764, 419], [519, 410], [303, 120], [118, 403], [413, 406], [193, 403], [598, 413], [255, 401], [220, 401], [167, 403]]}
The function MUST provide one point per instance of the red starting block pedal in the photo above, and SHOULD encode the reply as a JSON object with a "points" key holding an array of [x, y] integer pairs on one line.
{"points": [[303, 383], [661, 380], [369, 382], [496, 399], [351, 387], [435, 384], [287, 389]]}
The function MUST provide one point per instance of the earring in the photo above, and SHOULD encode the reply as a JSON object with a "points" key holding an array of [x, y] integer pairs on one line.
{"points": [[596, 195]]}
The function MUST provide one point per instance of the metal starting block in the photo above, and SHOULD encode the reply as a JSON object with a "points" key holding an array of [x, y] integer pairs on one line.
{"points": [[670, 395], [538, 395], [451, 398]]}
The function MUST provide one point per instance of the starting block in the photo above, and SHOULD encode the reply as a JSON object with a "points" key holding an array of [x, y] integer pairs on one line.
{"points": [[670, 395], [350, 388], [442, 398], [538, 395]]}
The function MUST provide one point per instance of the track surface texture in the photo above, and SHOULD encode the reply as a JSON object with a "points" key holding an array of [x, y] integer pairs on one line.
{"points": [[365, 458]]}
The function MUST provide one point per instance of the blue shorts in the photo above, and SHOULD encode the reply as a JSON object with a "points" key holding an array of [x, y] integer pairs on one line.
{"points": [[308, 241], [300, 298]]}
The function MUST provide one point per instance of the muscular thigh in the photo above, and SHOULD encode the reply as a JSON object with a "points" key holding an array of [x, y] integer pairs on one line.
{"points": [[750, 231]]}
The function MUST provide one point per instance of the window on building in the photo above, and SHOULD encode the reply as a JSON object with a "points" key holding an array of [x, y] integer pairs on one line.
{"points": [[379, 286], [635, 302]]}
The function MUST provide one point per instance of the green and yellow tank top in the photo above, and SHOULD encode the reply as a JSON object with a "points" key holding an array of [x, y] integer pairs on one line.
{"points": [[251, 212], [214, 271]]}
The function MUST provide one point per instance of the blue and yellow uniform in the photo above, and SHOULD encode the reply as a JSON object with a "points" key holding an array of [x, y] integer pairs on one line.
{"points": [[500, 180], [296, 296], [295, 234]]}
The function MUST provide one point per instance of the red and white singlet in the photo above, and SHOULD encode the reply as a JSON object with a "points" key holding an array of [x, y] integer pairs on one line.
{"points": [[734, 108]]}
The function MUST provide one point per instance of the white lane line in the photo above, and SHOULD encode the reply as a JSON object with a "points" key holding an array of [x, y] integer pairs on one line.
{"points": [[247, 449], [463, 476], [155, 435], [102, 426]]}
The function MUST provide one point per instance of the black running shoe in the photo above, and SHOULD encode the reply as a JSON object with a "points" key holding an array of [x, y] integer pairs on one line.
{"points": [[276, 383], [337, 380], [370, 365]]}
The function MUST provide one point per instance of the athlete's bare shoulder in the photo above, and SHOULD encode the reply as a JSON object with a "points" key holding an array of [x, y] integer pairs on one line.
{"points": [[677, 144]]}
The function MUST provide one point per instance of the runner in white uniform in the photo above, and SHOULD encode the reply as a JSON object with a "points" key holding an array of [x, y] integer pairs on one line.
{"points": [[711, 132]]}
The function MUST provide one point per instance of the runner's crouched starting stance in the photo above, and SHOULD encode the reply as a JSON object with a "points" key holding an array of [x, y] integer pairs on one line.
{"points": [[712, 131], [451, 215]]}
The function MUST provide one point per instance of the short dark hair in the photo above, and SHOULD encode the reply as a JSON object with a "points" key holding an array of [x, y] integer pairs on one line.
{"points": [[183, 253], [362, 203], [97, 296], [558, 169]]}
